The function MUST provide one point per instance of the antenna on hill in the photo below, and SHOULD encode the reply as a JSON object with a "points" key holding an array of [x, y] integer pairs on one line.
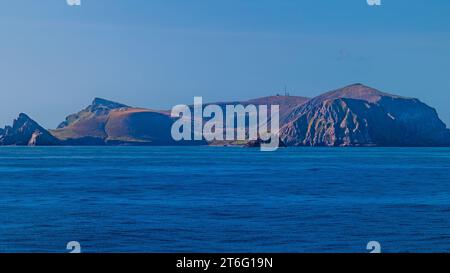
{"points": [[286, 93]]}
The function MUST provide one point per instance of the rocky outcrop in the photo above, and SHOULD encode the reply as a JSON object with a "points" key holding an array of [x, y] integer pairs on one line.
{"points": [[257, 143], [26, 131], [99, 107], [358, 115]]}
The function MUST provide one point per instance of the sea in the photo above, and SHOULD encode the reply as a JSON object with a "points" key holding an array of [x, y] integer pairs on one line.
{"points": [[224, 199]]}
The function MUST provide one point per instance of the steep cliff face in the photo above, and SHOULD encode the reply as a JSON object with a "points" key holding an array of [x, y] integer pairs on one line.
{"points": [[26, 131], [358, 115]]}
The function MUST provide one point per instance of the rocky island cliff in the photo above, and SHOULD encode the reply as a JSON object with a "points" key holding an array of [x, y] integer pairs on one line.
{"points": [[358, 115], [26, 131], [355, 115]]}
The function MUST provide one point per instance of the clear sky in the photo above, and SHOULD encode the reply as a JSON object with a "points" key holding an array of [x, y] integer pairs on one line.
{"points": [[54, 59]]}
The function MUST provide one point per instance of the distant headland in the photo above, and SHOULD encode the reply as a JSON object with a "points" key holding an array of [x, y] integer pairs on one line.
{"points": [[355, 115]]}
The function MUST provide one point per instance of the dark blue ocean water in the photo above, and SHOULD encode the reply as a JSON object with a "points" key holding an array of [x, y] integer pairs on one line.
{"points": [[212, 199]]}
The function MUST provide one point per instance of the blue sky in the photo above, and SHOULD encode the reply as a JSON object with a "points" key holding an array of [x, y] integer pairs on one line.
{"points": [[55, 58]]}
